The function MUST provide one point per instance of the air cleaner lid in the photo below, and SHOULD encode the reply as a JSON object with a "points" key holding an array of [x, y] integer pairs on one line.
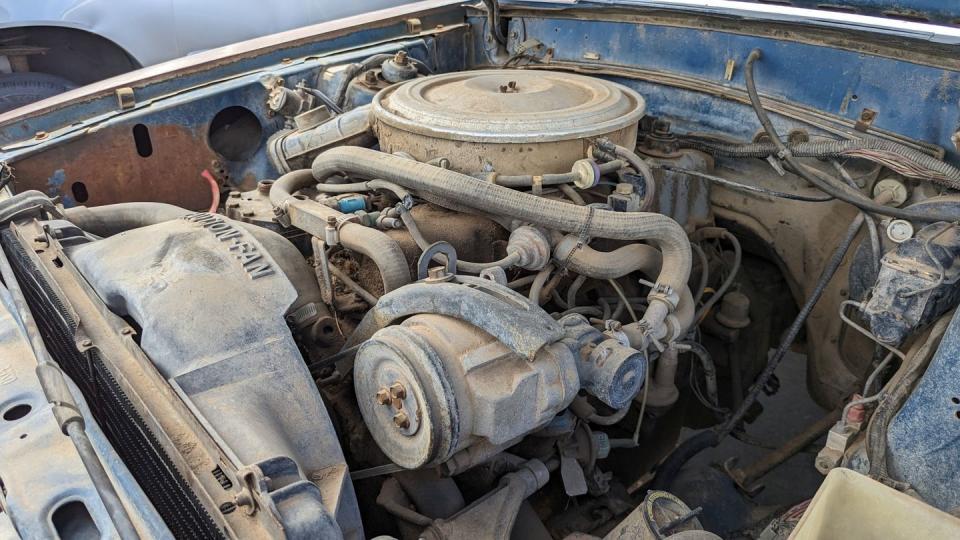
{"points": [[508, 106]]}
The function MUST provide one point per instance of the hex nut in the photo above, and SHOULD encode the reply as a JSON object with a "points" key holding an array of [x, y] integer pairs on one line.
{"points": [[397, 391], [401, 420]]}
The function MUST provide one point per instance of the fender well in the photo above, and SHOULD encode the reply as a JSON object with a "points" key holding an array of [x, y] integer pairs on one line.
{"points": [[76, 55]]}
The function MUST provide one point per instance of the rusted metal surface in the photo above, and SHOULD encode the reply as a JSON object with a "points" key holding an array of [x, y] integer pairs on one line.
{"points": [[260, 47], [443, 377], [747, 477], [108, 166]]}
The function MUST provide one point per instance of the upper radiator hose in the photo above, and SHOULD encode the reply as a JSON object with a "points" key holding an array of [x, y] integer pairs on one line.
{"points": [[664, 232]]}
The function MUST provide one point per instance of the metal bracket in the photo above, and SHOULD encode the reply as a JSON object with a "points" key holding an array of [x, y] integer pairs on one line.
{"points": [[322, 269], [437, 248], [277, 487], [495, 274], [125, 98], [867, 116]]}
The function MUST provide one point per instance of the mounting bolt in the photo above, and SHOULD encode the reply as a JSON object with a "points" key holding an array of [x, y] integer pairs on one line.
{"points": [[661, 127], [400, 58], [401, 420], [383, 396], [397, 391], [41, 135], [437, 273], [370, 77]]}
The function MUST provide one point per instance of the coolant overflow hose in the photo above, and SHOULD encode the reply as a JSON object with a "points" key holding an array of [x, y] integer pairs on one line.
{"points": [[465, 190]]}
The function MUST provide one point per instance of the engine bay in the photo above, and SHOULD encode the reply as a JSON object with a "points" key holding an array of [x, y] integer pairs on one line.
{"points": [[510, 295]]}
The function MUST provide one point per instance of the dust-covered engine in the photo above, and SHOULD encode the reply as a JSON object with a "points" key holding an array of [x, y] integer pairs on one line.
{"points": [[462, 292]]}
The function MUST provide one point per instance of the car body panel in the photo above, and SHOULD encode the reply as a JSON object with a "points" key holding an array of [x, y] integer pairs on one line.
{"points": [[688, 71], [152, 31]]}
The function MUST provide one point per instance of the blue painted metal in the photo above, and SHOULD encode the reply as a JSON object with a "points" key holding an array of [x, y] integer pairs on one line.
{"points": [[922, 104], [40, 467], [923, 440], [911, 99], [915, 100], [194, 108], [202, 78]]}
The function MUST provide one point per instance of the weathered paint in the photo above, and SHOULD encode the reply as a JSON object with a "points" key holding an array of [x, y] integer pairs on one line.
{"points": [[179, 131], [922, 438], [915, 100]]}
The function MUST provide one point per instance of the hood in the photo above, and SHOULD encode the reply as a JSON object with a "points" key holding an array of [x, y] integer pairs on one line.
{"points": [[926, 11], [927, 20]]}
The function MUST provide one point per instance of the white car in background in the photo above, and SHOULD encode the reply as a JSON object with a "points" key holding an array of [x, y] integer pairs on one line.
{"points": [[49, 46]]}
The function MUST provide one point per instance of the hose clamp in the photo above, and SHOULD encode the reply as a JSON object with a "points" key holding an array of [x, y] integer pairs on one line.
{"points": [[331, 233], [282, 215], [343, 219], [583, 238], [784, 153], [663, 293]]}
